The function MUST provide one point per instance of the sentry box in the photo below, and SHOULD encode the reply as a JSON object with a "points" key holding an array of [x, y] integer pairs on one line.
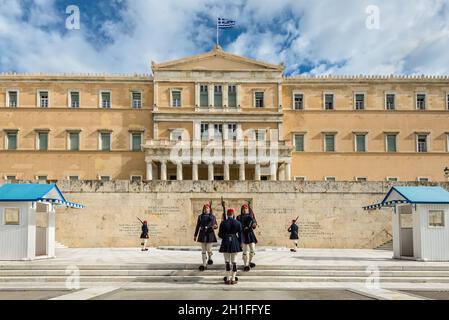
{"points": [[420, 222], [27, 220]]}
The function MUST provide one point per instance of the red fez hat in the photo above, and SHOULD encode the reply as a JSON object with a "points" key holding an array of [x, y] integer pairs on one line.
{"points": [[145, 222], [245, 206], [207, 205], [231, 210]]}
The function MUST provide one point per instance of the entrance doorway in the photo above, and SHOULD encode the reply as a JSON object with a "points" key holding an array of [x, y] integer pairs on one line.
{"points": [[41, 229], [406, 230]]}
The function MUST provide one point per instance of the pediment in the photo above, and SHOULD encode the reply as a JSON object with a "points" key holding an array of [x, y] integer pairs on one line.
{"points": [[216, 60]]}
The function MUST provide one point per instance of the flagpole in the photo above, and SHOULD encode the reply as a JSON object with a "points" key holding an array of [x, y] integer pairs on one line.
{"points": [[217, 31]]}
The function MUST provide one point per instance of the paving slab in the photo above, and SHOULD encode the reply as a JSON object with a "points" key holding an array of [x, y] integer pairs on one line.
{"points": [[31, 294]]}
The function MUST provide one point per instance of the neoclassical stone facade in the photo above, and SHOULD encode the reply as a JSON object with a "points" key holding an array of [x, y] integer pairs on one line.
{"points": [[218, 116]]}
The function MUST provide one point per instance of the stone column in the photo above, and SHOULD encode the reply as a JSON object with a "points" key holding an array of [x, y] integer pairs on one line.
{"points": [[257, 172], [179, 171], [195, 172], [226, 172], [211, 172], [273, 171], [282, 172], [149, 171], [164, 170], [242, 172], [288, 171]]}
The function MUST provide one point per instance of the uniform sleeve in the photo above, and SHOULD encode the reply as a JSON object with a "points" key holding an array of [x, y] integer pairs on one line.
{"points": [[197, 228], [220, 231], [290, 229], [212, 222], [239, 233]]}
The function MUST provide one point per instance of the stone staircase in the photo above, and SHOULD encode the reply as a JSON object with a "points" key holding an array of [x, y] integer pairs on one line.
{"points": [[388, 246], [26, 275]]}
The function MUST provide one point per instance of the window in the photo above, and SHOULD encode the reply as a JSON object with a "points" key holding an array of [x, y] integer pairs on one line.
{"points": [[136, 141], [136, 179], [42, 179], [176, 98], [12, 216], [204, 96], [105, 178], [11, 140], [392, 179], [330, 179], [359, 101], [329, 142], [204, 131], [73, 178], [300, 179], [361, 179], [42, 141], [390, 101], [218, 96], [176, 135], [259, 99], [232, 131], [422, 143], [423, 179], [260, 135], [74, 99], [11, 179], [218, 131], [360, 142], [43, 99], [436, 218], [421, 101], [74, 141], [105, 99], [391, 142], [298, 100], [105, 141], [329, 101], [12, 99], [299, 142], [136, 97], [232, 96]]}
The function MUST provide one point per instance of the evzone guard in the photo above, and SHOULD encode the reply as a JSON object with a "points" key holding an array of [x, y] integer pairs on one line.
{"points": [[249, 240], [205, 234], [294, 234], [231, 234]]}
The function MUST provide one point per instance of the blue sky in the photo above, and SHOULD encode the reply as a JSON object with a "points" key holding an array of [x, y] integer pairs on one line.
{"points": [[310, 37]]}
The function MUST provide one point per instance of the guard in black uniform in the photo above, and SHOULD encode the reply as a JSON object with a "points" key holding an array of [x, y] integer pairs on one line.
{"points": [[249, 223], [231, 234], [294, 235], [144, 236], [205, 234]]}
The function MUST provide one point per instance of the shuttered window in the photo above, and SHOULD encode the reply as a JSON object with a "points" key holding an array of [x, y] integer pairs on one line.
{"points": [[299, 142]]}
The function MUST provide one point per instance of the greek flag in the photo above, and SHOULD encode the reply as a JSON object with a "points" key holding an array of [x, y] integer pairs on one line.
{"points": [[225, 23]]}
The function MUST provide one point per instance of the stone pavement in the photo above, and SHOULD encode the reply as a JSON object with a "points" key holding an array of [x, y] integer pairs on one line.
{"points": [[122, 273]]}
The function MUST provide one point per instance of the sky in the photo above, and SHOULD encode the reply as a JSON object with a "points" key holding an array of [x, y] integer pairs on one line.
{"points": [[338, 37]]}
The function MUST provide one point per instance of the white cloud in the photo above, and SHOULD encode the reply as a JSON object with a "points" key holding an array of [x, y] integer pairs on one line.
{"points": [[326, 36]]}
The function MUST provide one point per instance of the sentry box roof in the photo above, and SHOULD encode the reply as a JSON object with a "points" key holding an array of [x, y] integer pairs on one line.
{"points": [[49, 193], [412, 195]]}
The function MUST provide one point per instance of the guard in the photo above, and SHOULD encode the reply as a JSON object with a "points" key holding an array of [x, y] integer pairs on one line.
{"points": [[249, 223], [205, 234], [231, 234], [294, 235]]}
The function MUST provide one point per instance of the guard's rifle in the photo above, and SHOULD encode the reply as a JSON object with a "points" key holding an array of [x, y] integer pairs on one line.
{"points": [[296, 220], [140, 220], [223, 205], [251, 211]]}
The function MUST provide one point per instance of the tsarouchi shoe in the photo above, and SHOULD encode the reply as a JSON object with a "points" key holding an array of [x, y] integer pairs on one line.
{"points": [[210, 262], [202, 268]]}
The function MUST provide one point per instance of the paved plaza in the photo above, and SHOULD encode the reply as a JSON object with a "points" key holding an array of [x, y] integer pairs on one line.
{"points": [[171, 273]]}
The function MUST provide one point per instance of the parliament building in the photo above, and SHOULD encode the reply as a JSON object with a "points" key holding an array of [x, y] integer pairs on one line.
{"points": [[318, 128]]}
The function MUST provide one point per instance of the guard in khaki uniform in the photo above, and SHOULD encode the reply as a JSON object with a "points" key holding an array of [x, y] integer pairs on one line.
{"points": [[231, 234], [205, 234], [249, 240]]}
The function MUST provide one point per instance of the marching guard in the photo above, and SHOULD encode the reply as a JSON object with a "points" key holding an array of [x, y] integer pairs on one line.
{"points": [[205, 234], [249, 223], [294, 235], [231, 234]]}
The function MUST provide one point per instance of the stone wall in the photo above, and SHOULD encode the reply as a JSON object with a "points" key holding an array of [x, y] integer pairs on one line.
{"points": [[330, 213]]}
